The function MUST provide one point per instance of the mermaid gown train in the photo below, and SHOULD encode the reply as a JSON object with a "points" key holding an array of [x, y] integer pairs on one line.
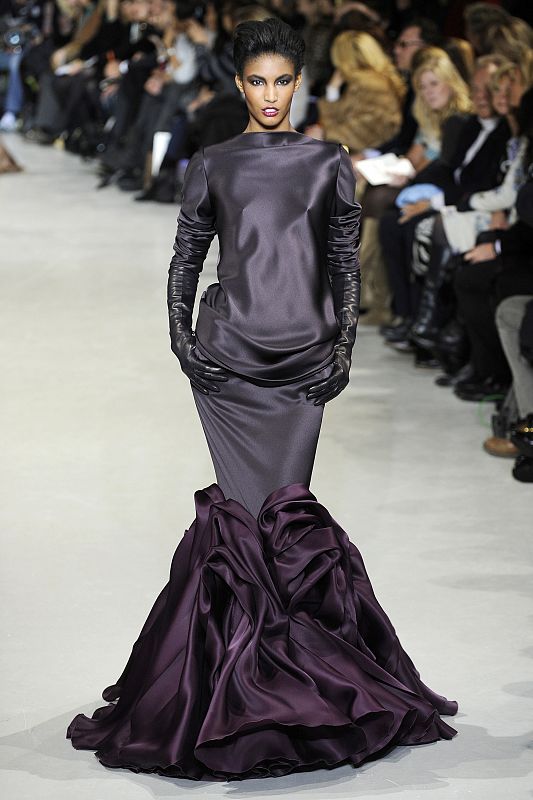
{"points": [[267, 651]]}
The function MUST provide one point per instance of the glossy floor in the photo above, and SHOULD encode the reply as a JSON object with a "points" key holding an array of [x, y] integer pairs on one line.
{"points": [[102, 450]]}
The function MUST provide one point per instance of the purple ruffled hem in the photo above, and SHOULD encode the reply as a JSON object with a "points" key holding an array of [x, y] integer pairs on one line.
{"points": [[265, 653]]}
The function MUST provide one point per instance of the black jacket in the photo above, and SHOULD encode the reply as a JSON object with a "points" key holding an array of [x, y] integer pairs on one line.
{"points": [[483, 171]]}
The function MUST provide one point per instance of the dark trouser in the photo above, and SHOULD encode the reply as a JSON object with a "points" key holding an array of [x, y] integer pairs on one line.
{"points": [[65, 102], [397, 245], [479, 289], [156, 114]]}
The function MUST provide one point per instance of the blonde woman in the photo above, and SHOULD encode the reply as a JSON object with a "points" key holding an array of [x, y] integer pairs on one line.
{"points": [[369, 109], [441, 98], [442, 101]]}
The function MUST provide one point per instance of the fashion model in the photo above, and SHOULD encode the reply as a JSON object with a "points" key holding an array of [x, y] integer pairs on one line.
{"points": [[266, 652]]}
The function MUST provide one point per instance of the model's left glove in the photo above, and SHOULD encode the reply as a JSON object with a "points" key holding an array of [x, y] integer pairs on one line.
{"points": [[345, 278], [346, 289], [196, 229]]}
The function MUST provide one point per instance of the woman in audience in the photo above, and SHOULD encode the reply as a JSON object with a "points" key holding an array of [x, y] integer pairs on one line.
{"points": [[363, 102], [442, 102], [464, 182]]}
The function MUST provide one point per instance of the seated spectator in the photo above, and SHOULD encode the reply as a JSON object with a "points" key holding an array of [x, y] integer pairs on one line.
{"points": [[69, 97], [499, 266], [480, 197], [473, 168], [364, 97], [512, 315], [375, 294], [441, 104]]}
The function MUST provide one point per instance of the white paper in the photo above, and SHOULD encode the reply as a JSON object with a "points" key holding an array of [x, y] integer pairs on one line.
{"points": [[381, 170]]}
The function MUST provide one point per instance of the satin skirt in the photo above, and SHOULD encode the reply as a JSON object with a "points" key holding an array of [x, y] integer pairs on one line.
{"points": [[260, 437], [267, 651]]}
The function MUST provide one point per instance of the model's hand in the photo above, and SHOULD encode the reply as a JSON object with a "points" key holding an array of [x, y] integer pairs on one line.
{"points": [[333, 385], [204, 375]]}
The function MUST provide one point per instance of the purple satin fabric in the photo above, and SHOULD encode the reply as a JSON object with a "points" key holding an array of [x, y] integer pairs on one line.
{"points": [[260, 437], [266, 653], [283, 207]]}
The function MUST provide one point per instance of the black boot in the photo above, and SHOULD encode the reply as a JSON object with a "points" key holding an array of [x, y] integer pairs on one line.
{"points": [[522, 435], [523, 469], [425, 328], [452, 347]]}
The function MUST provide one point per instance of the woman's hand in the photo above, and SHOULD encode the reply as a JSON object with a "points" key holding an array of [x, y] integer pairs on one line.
{"points": [[202, 373], [413, 210], [333, 385], [481, 252], [59, 58]]}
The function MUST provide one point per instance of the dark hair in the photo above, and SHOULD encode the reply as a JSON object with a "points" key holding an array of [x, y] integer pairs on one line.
{"points": [[271, 36], [185, 9], [429, 30], [479, 16]]}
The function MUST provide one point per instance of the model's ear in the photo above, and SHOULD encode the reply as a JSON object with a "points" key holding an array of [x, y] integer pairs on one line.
{"points": [[297, 81], [239, 83]]}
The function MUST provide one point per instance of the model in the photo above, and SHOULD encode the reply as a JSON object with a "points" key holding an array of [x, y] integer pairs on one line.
{"points": [[266, 652]]}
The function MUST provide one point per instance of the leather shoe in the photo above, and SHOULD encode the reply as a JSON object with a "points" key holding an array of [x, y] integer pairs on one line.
{"points": [[397, 332], [498, 446], [523, 469], [465, 373], [522, 436], [473, 390]]}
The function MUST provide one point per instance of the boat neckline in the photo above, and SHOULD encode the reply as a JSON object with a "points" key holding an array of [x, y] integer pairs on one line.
{"points": [[276, 133]]}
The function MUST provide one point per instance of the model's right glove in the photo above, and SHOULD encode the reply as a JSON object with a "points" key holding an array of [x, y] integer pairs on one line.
{"points": [[195, 231]]}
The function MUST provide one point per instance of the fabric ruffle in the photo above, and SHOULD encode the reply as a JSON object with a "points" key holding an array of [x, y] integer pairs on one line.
{"points": [[265, 653]]}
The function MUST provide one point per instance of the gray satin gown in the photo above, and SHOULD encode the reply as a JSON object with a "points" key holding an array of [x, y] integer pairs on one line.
{"points": [[283, 207], [267, 651]]}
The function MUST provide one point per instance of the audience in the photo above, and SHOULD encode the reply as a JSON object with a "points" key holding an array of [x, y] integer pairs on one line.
{"points": [[136, 86]]}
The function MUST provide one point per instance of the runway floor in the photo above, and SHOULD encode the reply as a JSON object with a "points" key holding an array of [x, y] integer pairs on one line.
{"points": [[102, 450]]}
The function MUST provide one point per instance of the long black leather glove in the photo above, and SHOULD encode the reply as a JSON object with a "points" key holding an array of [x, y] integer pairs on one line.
{"points": [[196, 229], [346, 288], [204, 375], [345, 276]]}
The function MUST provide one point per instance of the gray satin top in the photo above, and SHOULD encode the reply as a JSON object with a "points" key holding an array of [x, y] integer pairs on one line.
{"points": [[282, 204]]}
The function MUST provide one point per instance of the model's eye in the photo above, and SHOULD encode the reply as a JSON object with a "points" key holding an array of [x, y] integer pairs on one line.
{"points": [[256, 81]]}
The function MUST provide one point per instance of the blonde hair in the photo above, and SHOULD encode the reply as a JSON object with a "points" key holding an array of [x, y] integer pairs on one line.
{"points": [[439, 63], [356, 52], [515, 48]]}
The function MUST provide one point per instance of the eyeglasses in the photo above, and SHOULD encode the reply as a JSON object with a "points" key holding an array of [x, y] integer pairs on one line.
{"points": [[403, 43]]}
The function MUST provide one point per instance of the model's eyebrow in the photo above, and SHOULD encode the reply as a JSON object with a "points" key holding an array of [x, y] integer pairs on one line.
{"points": [[285, 75]]}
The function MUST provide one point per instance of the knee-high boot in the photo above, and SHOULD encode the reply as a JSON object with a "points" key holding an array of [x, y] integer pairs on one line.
{"points": [[425, 329]]}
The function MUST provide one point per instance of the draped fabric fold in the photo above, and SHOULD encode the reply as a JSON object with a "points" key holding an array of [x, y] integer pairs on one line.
{"points": [[265, 653]]}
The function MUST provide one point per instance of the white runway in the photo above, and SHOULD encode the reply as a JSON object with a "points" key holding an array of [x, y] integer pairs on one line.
{"points": [[102, 450]]}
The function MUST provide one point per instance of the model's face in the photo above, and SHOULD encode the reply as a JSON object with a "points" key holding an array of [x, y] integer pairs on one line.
{"points": [[481, 96], [268, 84], [501, 96], [435, 92], [407, 44]]}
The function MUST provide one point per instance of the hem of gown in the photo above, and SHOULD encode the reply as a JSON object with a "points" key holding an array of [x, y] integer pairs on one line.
{"points": [[266, 653]]}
